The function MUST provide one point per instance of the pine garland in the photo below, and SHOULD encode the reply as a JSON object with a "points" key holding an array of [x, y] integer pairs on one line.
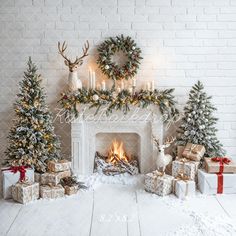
{"points": [[113, 45], [121, 101]]}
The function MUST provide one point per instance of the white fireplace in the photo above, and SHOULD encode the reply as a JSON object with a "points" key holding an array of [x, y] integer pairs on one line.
{"points": [[91, 133]]}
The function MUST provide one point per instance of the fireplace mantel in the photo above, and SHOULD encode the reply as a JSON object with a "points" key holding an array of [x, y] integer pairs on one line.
{"points": [[143, 122]]}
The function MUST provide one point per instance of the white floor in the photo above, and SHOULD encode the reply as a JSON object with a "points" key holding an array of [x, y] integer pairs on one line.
{"points": [[110, 209]]}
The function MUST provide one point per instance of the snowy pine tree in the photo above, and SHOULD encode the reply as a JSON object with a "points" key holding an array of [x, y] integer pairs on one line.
{"points": [[32, 141], [198, 122]]}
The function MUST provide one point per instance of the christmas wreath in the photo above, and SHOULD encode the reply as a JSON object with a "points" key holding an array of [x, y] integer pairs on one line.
{"points": [[112, 46]]}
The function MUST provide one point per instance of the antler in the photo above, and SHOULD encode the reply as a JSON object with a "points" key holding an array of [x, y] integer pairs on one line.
{"points": [[79, 60], [62, 50], [170, 140]]}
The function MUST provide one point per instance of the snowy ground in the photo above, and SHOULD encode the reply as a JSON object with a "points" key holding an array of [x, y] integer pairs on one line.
{"points": [[119, 206]]}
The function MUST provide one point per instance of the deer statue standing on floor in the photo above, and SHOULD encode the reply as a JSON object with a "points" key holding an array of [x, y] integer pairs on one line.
{"points": [[73, 81], [162, 159]]}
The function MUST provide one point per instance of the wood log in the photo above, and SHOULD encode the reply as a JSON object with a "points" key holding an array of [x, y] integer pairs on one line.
{"points": [[119, 167]]}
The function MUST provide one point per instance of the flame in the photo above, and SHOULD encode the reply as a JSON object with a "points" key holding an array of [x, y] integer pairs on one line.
{"points": [[117, 152]]}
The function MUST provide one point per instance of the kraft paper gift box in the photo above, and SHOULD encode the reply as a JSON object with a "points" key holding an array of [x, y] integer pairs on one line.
{"points": [[216, 183], [54, 178], [183, 189], [194, 152], [25, 192], [10, 178], [220, 164], [69, 190], [159, 184], [187, 167], [60, 165], [51, 192], [180, 150]]}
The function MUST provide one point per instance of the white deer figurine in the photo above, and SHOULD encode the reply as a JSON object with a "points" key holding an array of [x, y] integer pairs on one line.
{"points": [[162, 159], [73, 81]]}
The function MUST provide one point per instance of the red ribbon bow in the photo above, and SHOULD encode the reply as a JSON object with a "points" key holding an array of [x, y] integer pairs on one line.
{"points": [[21, 169], [222, 161]]}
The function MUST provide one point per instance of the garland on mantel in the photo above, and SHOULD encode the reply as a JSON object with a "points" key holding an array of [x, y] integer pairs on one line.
{"points": [[120, 101]]}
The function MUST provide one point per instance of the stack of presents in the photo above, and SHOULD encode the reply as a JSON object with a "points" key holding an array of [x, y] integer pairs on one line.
{"points": [[24, 185], [212, 175]]}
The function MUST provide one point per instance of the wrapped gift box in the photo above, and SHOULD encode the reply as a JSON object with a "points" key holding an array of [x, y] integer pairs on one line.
{"points": [[218, 164], [187, 167], [159, 184], [183, 189], [54, 178], [60, 165], [25, 192], [51, 192], [194, 151], [10, 178], [69, 190], [214, 183], [180, 150]]}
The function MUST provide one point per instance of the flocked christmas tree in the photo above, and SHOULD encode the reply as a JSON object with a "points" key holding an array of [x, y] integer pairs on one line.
{"points": [[32, 140], [198, 123]]}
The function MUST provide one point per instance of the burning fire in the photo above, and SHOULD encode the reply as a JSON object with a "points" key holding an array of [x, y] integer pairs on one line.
{"points": [[117, 153]]}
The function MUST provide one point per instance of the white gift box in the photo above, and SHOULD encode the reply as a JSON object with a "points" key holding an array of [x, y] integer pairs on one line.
{"points": [[208, 183], [10, 178], [25, 192], [158, 184], [187, 167], [183, 189]]}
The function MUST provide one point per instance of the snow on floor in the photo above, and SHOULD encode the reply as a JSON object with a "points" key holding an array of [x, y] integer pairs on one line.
{"points": [[118, 205]]}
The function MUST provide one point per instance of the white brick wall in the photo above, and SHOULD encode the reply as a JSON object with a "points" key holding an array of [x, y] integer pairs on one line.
{"points": [[182, 41]]}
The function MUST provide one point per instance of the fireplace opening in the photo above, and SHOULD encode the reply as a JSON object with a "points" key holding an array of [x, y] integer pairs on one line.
{"points": [[117, 153]]}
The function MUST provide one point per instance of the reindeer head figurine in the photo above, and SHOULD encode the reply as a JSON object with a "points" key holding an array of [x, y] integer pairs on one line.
{"points": [[73, 66], [165, 145]]}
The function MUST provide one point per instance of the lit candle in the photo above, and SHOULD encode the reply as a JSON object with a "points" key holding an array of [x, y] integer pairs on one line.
{"points": [[118, 89], [148, 86], [94, 80], [153, 85], [103, 85], [134, 82], [122, 85]]}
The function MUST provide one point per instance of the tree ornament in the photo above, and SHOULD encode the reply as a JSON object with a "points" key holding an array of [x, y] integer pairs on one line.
{"points": [[95, 97], [109, 48], [192, 132], [186, 132]]}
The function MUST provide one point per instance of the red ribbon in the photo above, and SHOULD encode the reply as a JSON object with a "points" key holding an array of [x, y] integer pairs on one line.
{"points": [[220, 183], [222, 161], [220, 177], [21, 169]]}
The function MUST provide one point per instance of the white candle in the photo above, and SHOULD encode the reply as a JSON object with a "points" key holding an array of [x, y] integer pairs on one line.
{"points": [[153, 85], [148, 86], [134, 82], [118, 89], [98, 86], [94, 80], [130, 89], [103, 85], [122, 85]]}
